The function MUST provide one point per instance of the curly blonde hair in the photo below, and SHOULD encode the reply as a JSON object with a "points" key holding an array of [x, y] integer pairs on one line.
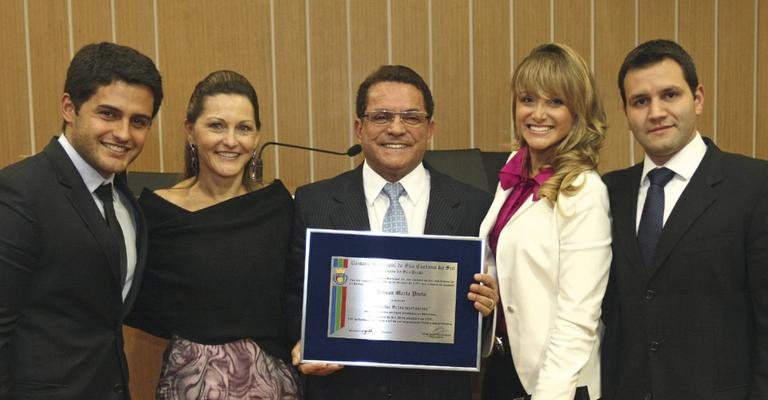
{"points": [[555, 70]]}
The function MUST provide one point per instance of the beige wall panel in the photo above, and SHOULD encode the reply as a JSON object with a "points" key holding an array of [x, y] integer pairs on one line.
{"points": [[614, 37], [697, 35], [145, 360], [761, 134], [573, 26], [330, 96], [134, 25], [49, 48], [232, 35], [91, 22], [369, 43], [532, 26], [656, 20], [369, 40], [410, 35], [134, 28], [292, 92], [493, 120], [14, 111], [735, 84], [451, 82]]}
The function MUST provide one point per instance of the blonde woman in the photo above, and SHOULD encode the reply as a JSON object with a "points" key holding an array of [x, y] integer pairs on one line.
{"points": [[549, 235]]}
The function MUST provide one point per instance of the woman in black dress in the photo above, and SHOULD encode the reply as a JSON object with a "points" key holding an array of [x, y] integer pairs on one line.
{"points": [[217, 281]]}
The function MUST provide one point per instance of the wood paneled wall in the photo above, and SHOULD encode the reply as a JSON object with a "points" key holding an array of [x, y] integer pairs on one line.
{"points": [[306, 58]]}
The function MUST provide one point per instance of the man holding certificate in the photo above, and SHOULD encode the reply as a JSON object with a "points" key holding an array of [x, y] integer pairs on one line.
{"points": [[392, 191]]}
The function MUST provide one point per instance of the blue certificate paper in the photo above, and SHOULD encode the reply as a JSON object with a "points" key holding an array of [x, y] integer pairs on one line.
{"points": [[391, 300]]}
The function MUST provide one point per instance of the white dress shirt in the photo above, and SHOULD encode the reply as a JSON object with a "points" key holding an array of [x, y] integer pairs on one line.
{"points": [[414, 201], [123, 210], [683, 164]]}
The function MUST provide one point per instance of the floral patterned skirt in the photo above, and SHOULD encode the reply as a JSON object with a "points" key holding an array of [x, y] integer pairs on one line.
{"points": [[231, 371]]}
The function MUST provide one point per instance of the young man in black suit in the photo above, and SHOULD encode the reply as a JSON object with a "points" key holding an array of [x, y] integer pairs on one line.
{"points": [[73, 240], [393, 125], [686, 309]]}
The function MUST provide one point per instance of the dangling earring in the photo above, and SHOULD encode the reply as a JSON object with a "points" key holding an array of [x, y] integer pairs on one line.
{"points": [[194, 165], [253, 168]]}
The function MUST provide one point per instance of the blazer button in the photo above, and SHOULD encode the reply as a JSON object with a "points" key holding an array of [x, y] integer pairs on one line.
{"points": [[648, 396], [650, 294], [654, 345], [118, 388]]}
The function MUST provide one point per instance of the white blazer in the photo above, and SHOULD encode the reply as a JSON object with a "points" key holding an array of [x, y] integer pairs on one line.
{"points": [[552, 266]]}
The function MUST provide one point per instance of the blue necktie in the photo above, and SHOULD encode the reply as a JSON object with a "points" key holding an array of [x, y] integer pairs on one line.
{"points": [[394, 219], [652, 219]]}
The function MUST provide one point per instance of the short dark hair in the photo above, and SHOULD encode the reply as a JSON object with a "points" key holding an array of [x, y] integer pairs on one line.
{"points": [[100, 64], [655, 51], [394, 73]]}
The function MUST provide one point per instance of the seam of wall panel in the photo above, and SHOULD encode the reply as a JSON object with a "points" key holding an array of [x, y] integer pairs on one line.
{"points": [[755, 54], [511, 69], [310, 110], [159, 116], [30, 97], [637, 41], [275, 111], [677, 20], [471, 34], [350, 102], [70, 30], [431, 57], [113, 19], [592, 36], [389, 32], [716, 55], [551, 20]]}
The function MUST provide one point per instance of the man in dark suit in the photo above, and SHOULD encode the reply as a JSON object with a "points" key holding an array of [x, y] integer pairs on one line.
{"points": [[393, 125], [73, 241], [686, 310]]}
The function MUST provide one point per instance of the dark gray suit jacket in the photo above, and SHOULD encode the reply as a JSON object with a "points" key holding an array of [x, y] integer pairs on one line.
{"points": [[694, 325], [339, 203], [61, 307]]}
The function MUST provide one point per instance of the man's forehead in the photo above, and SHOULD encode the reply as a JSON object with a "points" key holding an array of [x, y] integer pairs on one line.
{"points": [[394, 92], [662, 74], [121, 91]]}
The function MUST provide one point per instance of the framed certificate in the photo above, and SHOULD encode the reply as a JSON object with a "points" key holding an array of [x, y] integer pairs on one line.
{"points": [[391, 300]]}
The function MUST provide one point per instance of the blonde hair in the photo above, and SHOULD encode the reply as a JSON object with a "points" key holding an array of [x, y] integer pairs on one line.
{"points": [[555, 70]]}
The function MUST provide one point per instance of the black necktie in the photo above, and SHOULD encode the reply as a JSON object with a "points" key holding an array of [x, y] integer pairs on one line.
{"points": [[105, 194], [652, 219]]}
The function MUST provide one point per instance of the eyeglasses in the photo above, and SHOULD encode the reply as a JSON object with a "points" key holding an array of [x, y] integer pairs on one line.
{"points": [[386, 117]]}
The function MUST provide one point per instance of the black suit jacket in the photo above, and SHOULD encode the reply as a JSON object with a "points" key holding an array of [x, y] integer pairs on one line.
{"points": [[61, 307], [339, 203], [694, 325]]}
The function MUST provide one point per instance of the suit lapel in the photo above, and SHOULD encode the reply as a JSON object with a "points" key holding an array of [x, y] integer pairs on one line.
{"points": [[698, 195], [141, 241], [493, 212], [82, 201], [350, 211], [625, 211], [444, 202]]}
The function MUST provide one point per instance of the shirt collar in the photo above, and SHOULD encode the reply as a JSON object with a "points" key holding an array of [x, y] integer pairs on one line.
{"points": [[516, 171], [91, 177], [414, 183], [683, 163]]}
